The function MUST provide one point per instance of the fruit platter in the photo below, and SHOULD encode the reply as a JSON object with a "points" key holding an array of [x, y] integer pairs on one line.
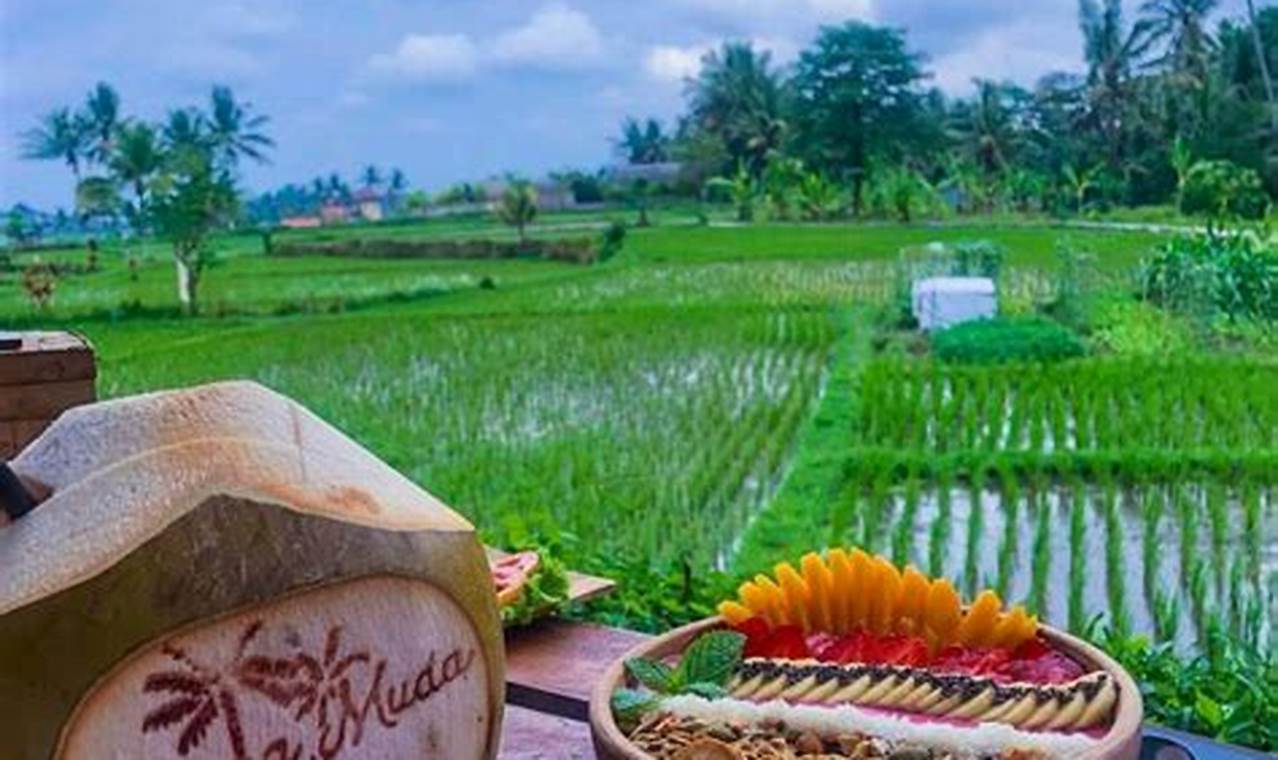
{"points": [[531, 584], [849, 656]]}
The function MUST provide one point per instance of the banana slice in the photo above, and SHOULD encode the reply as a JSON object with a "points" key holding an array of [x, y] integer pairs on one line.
{"points": [[1085, 702]]}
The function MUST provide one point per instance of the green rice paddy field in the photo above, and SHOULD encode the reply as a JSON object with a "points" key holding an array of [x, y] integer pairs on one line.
{"points": [[712, 400]]}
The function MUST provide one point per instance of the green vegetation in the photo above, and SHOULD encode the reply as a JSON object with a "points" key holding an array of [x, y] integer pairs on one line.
{"points": [[1001, 340], [681, 416]]}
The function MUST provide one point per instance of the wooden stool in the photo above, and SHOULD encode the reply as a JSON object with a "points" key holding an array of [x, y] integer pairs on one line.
{"points": [[42, 374]]}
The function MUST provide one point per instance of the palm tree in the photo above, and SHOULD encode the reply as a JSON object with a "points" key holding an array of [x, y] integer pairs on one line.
{"points": [[1263, 60], [102, 118], [395, 187], [737, 96], [518, 207], [1181, 27], [186, 129], [398, 182], [1112, 51], [234, 130], [337, 188], [60, 135], [644, 143], [371, 176], [988, 126], [136, 158]]}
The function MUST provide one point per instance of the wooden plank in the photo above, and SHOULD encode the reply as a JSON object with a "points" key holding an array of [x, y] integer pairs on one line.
{"points": [[16, 434], [44, 400], [530, 735], [47, 357], [8, 440], [581, 587], [551, 666]]}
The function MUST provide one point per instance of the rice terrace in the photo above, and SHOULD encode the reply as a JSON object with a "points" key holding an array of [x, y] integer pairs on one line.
{"points": [[711, 357]]}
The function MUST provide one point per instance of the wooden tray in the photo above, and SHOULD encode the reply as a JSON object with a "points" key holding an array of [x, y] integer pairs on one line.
{"points": [[1121, 743], [581, 587]]}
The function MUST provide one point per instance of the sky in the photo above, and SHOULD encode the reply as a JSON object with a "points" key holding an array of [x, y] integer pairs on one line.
{"points": [[450, 90]]}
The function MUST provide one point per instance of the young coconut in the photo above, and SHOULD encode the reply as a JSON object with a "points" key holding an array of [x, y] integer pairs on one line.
{"points": [[219, 573]]}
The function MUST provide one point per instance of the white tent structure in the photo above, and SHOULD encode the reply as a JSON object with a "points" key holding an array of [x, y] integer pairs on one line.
{"points": [[941, 302]]}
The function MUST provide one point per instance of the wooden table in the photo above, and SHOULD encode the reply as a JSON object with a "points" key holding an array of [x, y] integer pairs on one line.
{"points": [[551, 667]]}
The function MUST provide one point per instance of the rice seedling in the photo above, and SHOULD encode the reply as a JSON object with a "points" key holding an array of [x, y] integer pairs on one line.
{"points": [[1077, 555]]}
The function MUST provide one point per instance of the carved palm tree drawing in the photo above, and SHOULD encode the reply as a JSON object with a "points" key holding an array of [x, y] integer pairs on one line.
{"points": [[324, 679], [198, 697]]}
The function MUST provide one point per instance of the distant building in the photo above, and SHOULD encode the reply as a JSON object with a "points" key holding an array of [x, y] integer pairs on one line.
{"points": [[370, 205], [666, 172], [333, 212], [551, 195], [301, 222]]}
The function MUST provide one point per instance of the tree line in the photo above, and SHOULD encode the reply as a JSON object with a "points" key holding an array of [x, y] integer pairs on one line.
{"points": [[175, 179], [1165, 102]]}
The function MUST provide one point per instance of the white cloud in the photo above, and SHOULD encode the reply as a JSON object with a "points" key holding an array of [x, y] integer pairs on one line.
{"points": [[671, 63], [675, 63], [1012, 52], [555, 37], [792, 13], [428, 57]]}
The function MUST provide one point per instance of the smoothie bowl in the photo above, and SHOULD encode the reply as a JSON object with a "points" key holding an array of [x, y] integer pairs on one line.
{"points": [[848, 656]]}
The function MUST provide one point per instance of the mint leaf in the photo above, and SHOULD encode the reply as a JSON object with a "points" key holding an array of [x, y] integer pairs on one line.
{"points": [[629, 705], [711, 658], [706, 690], [657, 676]]}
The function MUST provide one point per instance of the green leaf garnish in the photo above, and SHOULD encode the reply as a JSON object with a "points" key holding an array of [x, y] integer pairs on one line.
{"points": [[657, 676], [704, 671], [711, 658], [706, 690], [629, 705]]}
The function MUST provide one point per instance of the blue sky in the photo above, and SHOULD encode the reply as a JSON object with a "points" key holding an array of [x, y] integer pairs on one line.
{"points": [[453, 89]]}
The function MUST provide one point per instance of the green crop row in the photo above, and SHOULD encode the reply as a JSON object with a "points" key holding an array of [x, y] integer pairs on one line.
{"points": [[1077, 405]]}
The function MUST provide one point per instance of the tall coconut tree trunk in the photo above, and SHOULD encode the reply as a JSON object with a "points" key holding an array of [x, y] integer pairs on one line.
{"points": [[187, 280], [1263, 60]]}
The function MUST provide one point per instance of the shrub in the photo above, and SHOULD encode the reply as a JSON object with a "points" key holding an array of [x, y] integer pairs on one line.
{"points": [[1131, 328], [1230, 693], [1222, 190], [978, 258], [39, 281], [612, 240], [1231, 275], [1004, 340]]}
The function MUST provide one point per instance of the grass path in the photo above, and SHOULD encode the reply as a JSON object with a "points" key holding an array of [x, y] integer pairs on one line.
{"points": [[787, 527]]}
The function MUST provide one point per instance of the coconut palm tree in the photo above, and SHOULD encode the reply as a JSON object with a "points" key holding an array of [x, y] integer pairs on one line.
{"points": [[396, 186], [102, 119], [737, 96], [234, 130], [988, 127], [61, 135], [644, 143], [136, 158], [518, 207], [1180, 26], [186, 129], [1262, 60], [1112, 51], [371, 176]]}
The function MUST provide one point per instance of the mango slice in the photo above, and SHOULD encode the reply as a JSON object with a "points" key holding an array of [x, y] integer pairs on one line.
{"points": [[850, 590], [977, 628]]}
